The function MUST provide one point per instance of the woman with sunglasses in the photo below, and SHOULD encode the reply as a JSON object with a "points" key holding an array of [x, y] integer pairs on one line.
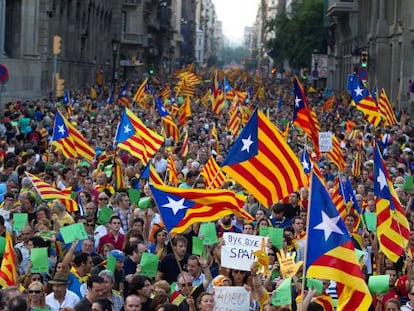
{"points": [[37, 296]]}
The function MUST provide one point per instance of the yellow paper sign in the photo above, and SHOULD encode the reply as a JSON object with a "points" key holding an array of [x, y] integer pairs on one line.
{"points": [[288, 266]]}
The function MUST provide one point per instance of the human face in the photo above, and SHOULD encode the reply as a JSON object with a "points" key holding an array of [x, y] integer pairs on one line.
{"points": [[87, 246], [59, 290], [103, 200], [132, 303], [96, 307], [108, 285], [185, 284], [180, 248], [96, 291], [115, 225], [193, 267], [248, 229], [147, 290], [35, 293], [206, 303], [349, 223], [393, 277], [391, 306], [298, 225]]}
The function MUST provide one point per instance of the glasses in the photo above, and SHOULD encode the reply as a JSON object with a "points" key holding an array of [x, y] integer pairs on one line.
{"points": [[35, 291], [90, 225], [270, 254], [103, 199], [186, 284], [238, 271]]}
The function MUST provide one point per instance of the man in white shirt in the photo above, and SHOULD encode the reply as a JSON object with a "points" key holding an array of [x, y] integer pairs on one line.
{"points": [[61, 297]]}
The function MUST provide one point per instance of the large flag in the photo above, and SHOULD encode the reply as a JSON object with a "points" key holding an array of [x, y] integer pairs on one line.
{"points": [[387, 113], [212, 174], [180, 208], [260, 159], [139, 94], [331, 254], [363, 101], [8, 273], [305, 117], [184, 111], [133, 136], [393, 230], [61, 138], [47, 192], [168, 122], [83, 147]]}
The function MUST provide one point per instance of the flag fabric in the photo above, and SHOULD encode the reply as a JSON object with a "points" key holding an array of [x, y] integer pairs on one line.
{"points": [[110, 98], [351, 202], [338, 198], [123, 98], [393, 230], [386, 111], [363, 101], [47, 192], [119, 174], [168, 122], [92, 93], [260, 159], [329, 103], [336, 155], [172, 170], [304, 117], [61, 138], [306, 162], [285, 132], [212, 174], [233, 125], [150, 174], [331, 255], [357, 162], [139, 94], [180, 208], [133, 136], [83, 147], [186, 144], [213, 135], [217, 97], [184, 111], [8, 273]]}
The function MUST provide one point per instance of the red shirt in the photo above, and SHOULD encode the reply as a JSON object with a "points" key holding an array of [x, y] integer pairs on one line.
{"points": [[109, 238]]}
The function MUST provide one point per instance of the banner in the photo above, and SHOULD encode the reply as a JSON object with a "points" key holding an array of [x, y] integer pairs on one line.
{"points": [[231, 298]]}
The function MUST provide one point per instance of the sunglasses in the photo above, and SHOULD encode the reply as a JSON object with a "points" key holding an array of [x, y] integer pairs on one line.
{"points": [[35, 291], [186, 284], [270, 254], [103, 199], [238, 271]]}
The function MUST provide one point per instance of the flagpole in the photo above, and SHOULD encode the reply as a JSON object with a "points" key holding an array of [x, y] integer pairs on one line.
{"points": [[302, 290]]}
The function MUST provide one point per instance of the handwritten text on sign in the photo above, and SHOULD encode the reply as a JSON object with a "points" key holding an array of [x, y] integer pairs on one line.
{"points": [[231, 298], [325, 141], [238, 250]]}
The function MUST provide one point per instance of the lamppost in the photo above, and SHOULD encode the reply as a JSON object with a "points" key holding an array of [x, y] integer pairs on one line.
{"points": [[115, 47]]}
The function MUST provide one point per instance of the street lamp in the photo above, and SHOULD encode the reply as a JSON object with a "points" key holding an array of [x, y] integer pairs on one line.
{"points": [[115, 48]]}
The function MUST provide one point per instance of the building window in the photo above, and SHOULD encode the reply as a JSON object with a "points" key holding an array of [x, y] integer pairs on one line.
{"points": [[124, 21]]}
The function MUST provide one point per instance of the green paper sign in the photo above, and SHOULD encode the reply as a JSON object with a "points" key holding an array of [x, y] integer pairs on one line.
{"points": [[104, 215], [316, 284], [264, 231], [19, 221], [39, 259], [73, 232], [359, 254], [134, 195], [371, 221], [408, 183], [144, 203], [149, 264], [276, 236], [111, 263], [379, 284], [283, 294], [198, 246], [2, 245], [108, 170], [209, 233]]}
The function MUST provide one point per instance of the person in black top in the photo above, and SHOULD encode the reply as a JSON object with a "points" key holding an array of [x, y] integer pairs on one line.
{"points": [[141, 285], [96, 287]]}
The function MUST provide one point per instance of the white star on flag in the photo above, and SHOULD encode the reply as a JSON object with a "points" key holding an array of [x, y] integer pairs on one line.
{"points": [[127, 129], [175, 206], [297, 101], [329, 225], [358, 91], [61, 129], [247, 143], [305, 164], [381, 179]]}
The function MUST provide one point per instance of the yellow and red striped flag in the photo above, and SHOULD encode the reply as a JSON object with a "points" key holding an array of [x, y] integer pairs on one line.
{"points": [[336, 155], [83, 147], [212, 174], [139, 94], [186, 144], [8, 272], [329, 103], [119, 174], [217, 97], [213, 135], [233, 126], [387, 113], [172, 170], [338, 200], [184, 111], [357, 162]]}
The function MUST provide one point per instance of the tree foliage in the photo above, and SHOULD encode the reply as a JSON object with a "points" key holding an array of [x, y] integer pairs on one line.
{"points": [[297, 36]]}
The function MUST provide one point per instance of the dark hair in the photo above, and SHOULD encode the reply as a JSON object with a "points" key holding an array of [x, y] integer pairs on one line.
{"points": [[105, 304], [114, 217], [18, 303], [179, 238], [158, 300], [81, 258], [94, 279], [137, 283], [169, 307]]}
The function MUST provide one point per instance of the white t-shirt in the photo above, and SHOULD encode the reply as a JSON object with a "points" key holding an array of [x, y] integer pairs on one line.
{"points": [[71, 299]]}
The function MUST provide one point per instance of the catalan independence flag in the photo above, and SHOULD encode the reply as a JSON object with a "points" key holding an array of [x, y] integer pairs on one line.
{"points": [[172, 171], [336, 155], [139, 94], [186, 144], [168, 122], [133, 136], [180, 208], [61, 138], [217, 97], [331, 254], [212, 175], [385, 108], [83, 147], [260, 159], [393, 230], [8, 272], [150, 174], [304, 117]]}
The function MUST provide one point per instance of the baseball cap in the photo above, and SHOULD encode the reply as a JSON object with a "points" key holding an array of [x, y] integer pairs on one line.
{"points": [[119, 256]]}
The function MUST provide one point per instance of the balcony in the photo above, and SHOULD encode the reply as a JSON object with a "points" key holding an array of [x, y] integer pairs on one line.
{"points": [[131, 3], [135, 39], [341, 7], [148, 7]]}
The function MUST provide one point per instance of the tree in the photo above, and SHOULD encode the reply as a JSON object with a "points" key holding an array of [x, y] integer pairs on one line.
{"points": [[297, 36]]}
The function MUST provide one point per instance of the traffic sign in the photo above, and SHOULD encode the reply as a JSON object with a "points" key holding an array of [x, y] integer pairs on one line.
{"points": [[315, 74], [4, 73], [362, 73]]}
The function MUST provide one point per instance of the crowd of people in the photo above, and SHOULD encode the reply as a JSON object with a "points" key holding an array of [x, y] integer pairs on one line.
{"points": [[78, 278]]}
